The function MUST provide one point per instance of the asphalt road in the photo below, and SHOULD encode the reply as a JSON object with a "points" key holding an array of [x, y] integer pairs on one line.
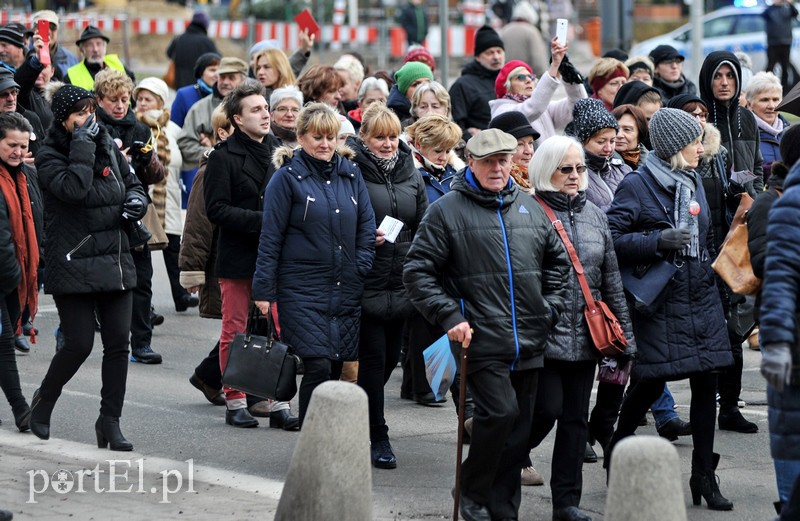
{"points": [[169, 421]]}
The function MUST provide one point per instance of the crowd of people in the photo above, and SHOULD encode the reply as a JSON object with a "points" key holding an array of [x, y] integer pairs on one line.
{"points": [[265, 184]]}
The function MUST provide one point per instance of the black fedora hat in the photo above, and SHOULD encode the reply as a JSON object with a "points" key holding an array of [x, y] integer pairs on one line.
{"points": [[89, 33]]}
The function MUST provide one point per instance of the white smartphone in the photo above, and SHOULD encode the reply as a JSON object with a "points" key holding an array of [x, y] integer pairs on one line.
{"points": [[561, 31]]}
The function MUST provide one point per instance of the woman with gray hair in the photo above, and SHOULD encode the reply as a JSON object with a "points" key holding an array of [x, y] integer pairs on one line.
{"points": [[661, 223], [371, 90], [285, 104], [559, 176], [763, 94]]}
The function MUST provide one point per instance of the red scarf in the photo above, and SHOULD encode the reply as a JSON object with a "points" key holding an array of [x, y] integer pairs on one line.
{"points": [[23, 233]]}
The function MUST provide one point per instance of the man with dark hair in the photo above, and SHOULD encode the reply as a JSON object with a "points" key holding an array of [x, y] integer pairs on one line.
{"points": [[242, 167], [720, 84]]}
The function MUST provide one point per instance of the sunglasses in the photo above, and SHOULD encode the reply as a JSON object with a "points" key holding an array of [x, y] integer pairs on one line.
{"points": [[9, 93], [523, 77], [566, 170]]}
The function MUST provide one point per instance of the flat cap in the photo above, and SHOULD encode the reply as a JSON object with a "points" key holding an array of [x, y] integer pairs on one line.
{"points": [[229, 64], [489, 142]]}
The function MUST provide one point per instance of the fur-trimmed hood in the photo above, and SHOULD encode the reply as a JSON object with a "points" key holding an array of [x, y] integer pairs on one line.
{"points": [[284, 153], [712, 141]]}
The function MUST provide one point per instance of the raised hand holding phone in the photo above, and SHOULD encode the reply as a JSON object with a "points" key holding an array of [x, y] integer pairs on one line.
{"points": [[43, 29], [561, 30]]}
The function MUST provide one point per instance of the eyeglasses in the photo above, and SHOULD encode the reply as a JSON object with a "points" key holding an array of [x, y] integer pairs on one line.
{"points": [[523, 77], [617, 83], [702, 116], [293, 110], [9, 93], [567, 170]]}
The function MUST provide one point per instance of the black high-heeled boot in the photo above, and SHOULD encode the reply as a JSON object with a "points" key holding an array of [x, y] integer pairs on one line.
{"points": [[107, 430], [704, 483], [39, 421]]}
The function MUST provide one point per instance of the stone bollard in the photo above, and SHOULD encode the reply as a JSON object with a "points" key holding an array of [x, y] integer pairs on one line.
{"points": [[645, 482], [330, 475]]}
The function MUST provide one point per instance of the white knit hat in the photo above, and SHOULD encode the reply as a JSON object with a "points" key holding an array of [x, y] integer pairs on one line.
{"points": [[154, 85]]}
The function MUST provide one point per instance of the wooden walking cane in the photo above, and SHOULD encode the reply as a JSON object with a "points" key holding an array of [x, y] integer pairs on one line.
{"points": [[462, 391]]}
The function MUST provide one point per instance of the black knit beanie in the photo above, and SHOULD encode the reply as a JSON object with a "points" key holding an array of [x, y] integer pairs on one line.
{"points": [[486, 38]]}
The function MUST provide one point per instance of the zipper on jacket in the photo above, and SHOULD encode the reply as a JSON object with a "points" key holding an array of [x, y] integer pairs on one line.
{"points": [[121, 187], [510, 279], [309, 200], [78, 247]]}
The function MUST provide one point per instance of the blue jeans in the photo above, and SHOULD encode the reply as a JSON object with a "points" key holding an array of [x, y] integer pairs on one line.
{"points": [[664, 409], [786, 472]]}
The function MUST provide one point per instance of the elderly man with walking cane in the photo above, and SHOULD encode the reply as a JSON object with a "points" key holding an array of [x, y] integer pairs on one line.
{"points": [[487, 266]]}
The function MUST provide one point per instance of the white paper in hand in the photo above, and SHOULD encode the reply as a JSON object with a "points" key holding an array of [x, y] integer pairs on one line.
{"points": [[391, 228]]}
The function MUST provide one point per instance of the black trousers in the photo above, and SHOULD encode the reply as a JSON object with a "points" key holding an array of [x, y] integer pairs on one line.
{"points": [[141, 326], [171, 253], [500, 430], [605, 412], [421, 334], [9, 374], [378, 353], [77, 315], [208, 370], [730, 379], [779, 54], [702, 414], [317, 371], [563, 395]]}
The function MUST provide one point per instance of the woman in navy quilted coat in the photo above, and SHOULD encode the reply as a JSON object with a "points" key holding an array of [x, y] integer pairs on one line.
{"points": [[317, 245], [660, 213]]}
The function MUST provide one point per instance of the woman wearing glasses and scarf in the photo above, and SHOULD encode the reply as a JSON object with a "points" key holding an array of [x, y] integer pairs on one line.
{"points": [[660, 213], [518, 89]]}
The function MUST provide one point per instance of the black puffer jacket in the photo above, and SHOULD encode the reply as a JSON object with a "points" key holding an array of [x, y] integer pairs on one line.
{"points": [[587, 228], [10, 270], [86, 247], [670, 90], [29, 96], [736, 125], [234, 194], [721, 202], [500, 254], [403, 197], [470, 96]]}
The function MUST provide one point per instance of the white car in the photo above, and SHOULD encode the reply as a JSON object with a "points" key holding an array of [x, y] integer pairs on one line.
{"points": [[728, 29]]}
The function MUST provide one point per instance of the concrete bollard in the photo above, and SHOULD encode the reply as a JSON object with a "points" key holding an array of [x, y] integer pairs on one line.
{"points": [[645, 482], [330, 475]]}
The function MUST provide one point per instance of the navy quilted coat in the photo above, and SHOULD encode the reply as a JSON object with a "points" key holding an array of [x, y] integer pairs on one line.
{"points": [[688, 333], [779, 316], [317, 245], [403, 196], [86, 249]]}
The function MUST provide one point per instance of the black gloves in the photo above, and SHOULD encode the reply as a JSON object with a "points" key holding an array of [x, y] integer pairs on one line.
{"points": [[86, 132], [139, 157], [674, 238], [569, 73], [134, 208]]}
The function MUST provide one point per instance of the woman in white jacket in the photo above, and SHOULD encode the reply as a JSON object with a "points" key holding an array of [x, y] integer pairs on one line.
{"points": [[517, 89]]}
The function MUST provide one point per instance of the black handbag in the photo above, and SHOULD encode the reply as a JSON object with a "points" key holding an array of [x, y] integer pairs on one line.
{"points": [[261, 365], [647, 284]]}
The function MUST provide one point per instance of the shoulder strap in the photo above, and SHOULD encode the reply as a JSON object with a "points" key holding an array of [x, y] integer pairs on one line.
{"points": [[573, 255]]}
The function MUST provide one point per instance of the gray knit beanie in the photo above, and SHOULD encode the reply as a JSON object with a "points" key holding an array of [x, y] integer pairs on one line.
{"points": [[671, 130], [590, 116]]}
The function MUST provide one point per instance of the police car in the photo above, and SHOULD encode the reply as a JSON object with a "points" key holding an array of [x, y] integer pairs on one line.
{"points": [[731, 29]]}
